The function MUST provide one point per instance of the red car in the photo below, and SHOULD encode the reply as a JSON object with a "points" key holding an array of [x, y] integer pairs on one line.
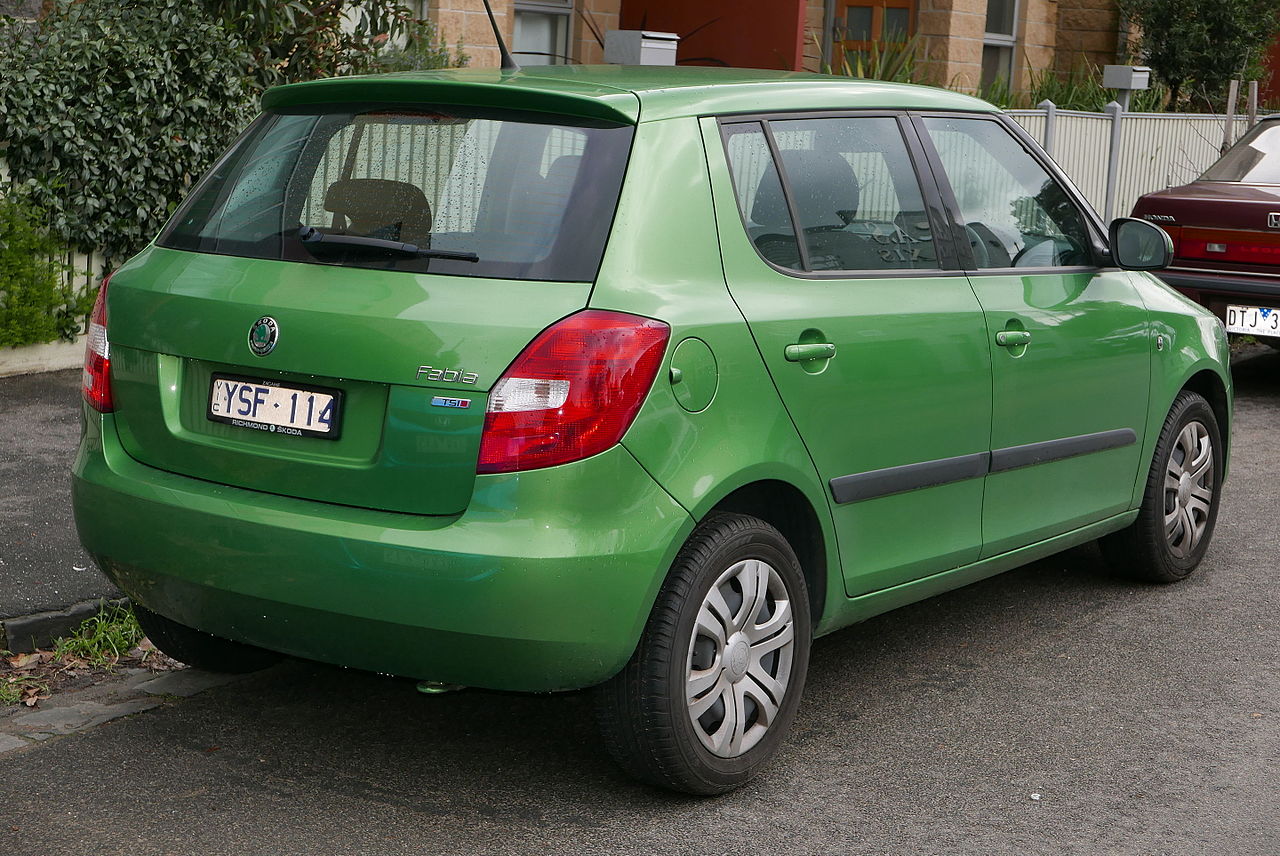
{"points": [[1225, 227]]}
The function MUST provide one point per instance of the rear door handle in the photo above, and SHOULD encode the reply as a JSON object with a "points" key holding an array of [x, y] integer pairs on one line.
{"points": [[814, 351], [1010, 338]]}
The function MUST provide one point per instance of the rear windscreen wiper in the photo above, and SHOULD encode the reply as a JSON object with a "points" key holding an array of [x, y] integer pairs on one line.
{"points": [[313, 238]]}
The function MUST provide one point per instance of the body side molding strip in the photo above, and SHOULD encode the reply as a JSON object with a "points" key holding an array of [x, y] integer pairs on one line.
{"points": [[1016, 457], [891, 480]]}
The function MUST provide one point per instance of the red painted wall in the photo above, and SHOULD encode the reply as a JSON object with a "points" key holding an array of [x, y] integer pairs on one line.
{"points": [[1269, 91], [741, 33]]}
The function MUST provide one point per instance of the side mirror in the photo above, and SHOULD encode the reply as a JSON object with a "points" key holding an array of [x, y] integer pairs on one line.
{"points": [[1139, 245]]}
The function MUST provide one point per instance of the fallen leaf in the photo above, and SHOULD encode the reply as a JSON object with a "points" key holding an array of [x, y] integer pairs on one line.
{"points": [[24, 661]]}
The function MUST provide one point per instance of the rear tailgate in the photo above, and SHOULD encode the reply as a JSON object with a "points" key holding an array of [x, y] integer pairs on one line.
{"points": [[408, 437]]}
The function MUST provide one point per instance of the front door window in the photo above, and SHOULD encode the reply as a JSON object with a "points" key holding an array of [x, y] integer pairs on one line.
{"points": [[1015, 214]]}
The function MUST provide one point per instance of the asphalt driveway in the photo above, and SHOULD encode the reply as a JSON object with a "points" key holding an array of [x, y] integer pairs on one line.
{"points": [[41, 564], [1053, 709]]}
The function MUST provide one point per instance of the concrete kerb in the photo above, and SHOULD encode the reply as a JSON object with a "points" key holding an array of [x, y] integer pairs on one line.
{"points": [[131, 691], [23, 634], [50, 357]]}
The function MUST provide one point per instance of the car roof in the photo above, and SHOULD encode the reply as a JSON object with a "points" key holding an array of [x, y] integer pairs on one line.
{"points": [[624, 93]]}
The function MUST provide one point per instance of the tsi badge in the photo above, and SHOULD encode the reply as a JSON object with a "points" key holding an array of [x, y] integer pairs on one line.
{"points": [[263, 335]]}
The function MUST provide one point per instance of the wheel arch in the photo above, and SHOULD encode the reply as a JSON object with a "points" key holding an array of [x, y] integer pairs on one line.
{"points": [[787, 508], [1208, 384]]}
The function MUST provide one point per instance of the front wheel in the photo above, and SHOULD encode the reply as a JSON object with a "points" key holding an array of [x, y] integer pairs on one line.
{"points": [[707, 699], [1180, 504]]}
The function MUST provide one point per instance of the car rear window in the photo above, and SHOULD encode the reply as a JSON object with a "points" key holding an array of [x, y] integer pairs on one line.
{"points": [[1255, 159], [415, 190]]}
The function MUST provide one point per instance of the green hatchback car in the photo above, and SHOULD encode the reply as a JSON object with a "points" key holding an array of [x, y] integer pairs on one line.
{"points": [[630, 378]]}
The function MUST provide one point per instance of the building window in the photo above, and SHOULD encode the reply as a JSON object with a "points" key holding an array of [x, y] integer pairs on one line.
{"points": [[542, 32], [860, 23], [999, 41]]}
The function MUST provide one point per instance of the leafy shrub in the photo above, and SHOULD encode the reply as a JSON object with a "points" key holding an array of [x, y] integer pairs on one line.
{"points": [[1082, 89], [296, 40], [36, 304], [1196, 48], [110, 109], [891, 61]]}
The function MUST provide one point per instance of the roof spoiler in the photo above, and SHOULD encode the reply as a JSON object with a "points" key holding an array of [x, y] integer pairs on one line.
{"points": [[500, 91]]}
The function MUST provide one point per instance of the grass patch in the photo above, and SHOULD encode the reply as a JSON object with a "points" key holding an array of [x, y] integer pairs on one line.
{"points": [[20, 687], [100, 645], [102, 640]]}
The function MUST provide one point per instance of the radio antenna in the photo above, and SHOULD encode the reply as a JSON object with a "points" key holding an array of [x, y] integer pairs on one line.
{"points": [[509, 64]]}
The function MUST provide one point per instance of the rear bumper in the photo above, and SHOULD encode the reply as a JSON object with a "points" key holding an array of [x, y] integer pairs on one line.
{"points": [[544, 583]]}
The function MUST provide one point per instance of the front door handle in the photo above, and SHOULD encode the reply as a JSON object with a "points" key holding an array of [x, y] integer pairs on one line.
{"points": [[1011, 338], [814, 351]]}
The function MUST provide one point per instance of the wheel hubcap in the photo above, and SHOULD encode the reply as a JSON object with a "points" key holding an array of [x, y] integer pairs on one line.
{"points": [[1188, 490], [739, 663]]}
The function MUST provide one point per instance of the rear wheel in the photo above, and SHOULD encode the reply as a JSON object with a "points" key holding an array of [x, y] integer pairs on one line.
{"points": [[1180, 504], [200, 649], [713, 686]]}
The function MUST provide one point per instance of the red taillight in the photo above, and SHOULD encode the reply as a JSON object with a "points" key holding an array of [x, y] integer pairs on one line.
{"points": [[572, 392], [96, 383]]}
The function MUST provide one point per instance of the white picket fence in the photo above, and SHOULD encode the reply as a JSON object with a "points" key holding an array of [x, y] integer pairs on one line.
{"points": [[1115, 157]]}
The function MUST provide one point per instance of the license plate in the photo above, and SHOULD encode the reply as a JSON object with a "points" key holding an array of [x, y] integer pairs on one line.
{"points": [[265, 405], [1256, 320]]}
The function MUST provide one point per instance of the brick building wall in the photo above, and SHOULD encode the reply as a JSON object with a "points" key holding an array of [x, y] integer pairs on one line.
{"points": [[950, 33], [1087, 31], [815, 15], [466, 21], [1038, 41], [583, 45]]}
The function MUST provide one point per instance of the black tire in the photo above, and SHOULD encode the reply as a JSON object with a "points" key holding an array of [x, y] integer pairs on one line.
{"points": [[200, 649], [1146, 550], [644, 713]]}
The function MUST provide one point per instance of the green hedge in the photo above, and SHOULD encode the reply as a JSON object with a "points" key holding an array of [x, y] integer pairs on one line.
{"points": [[36, 303]]}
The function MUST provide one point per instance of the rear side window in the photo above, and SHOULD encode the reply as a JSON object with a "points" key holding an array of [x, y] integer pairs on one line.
{"points": [[851, 184], [760, 199], [413, 190]]}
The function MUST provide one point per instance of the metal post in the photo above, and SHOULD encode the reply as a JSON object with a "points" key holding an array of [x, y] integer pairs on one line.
{"points": [[1233, 91], [1113, 160], [828, 38], [1050, 120]]}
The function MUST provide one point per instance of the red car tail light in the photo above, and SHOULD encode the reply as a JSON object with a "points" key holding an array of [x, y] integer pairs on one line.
{"points": [[96, 380], [573, 392]]}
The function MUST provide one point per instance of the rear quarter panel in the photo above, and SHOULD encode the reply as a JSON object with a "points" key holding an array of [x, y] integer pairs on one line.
{"points": [[663, 261]]}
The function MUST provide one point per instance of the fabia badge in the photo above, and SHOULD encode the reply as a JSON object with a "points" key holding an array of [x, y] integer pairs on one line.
{"points": [[263, 335]]}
